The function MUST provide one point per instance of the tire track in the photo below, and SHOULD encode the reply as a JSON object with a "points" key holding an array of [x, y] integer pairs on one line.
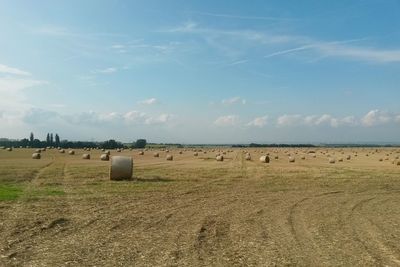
{"points": [[367, 233]]}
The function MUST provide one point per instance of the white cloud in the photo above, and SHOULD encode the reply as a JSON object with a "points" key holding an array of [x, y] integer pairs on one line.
{"points": [[234, 100], [259, 122], [9, 70], [161, 119], [289, 120], [349, 120], [375, 117], [229, 120], [134, 116], [150, 101]]}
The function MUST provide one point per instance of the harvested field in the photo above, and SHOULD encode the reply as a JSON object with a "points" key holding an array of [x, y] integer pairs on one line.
{"points": [[63, 210]]}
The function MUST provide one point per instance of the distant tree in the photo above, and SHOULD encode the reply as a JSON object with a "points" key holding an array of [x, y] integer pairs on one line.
{"points": [[36, 143], [48, 139], [24, 142], [140, 143], [57, 142], [31, 138], [51, 139], [111, 144]]}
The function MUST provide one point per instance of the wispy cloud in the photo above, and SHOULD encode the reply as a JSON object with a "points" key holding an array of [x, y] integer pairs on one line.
{"points": [[14, 71], [150, 101], [229, 120], [231, 16], [234, 100], [268, 40], [106, 70]]}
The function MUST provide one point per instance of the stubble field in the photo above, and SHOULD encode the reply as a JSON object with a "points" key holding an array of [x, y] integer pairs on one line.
{"points": [[63, 210]]}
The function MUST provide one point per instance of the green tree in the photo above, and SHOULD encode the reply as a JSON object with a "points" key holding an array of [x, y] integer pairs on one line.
{"points": [[31, 138], [140, 143], [48, 139], [51, 139], [57, 142]]}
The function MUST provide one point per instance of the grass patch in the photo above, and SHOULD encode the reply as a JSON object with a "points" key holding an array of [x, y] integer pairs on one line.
{"points": [[10, 192]]}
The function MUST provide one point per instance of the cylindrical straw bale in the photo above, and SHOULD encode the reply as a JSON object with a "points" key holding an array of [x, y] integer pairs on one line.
{"points": [[121, 168]]}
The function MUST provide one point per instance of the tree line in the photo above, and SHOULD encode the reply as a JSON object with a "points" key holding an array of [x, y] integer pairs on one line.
{"points": [[53, 140]]}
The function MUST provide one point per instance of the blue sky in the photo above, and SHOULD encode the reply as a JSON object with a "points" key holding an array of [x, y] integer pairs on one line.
{"points": [[201, 71]]}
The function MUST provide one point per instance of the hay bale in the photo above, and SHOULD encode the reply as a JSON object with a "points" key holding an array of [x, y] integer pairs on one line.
{"points": [[169, 157], [156, 155], [380, 159], [292, 160], [62, 151], [247, 156], [398, 163], [219, 158], [9, 149], [303, 157], [340, 160], [104, 157], [348, 157], [121, 168], [195, 154], [118, 150], [71, 152], [38, 150], [276, 157], [332, 161], [141, 153], [107, 152], [264, 159], [86, 156], [36, 156]]}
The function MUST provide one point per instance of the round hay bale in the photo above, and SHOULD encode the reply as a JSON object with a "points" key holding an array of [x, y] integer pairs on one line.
{"points": [[247, 156], [118, 150], [141, 153], [169, 157], [104, 157], [107, 152], [398, 163], [195, 154], [381, 159], [71, 152], [62, 151], [219, 158], [348, 157], [86, 156], [340, 160], [9, 149], [292, 159], [36, 156], [264, 159], [156, 155], [121, 168], [38, 150], [332, 161], [276, 157], [303, 157]]}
